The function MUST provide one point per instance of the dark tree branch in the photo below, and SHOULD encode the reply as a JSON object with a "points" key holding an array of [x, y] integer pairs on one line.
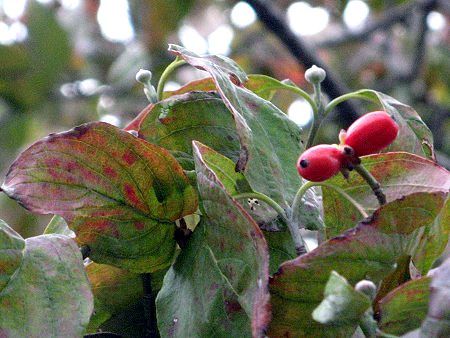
{"points": [[391, 17], [421, 9], [332, 86], [151, 328]]}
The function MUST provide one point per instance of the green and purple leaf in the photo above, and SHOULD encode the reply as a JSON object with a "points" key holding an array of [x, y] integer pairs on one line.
{"points": [[175, 122], [399, 174], [47, 294], [404, 308], [368, 251], [270, 142], [119, 194], [218, 285]]}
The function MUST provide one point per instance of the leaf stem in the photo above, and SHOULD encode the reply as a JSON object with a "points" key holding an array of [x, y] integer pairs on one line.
{"points": [[165, 75], [266, 199], [302, 190], [299, 243], [318, 115], [303, 94], [354, 95], [372, 182], [151, 328]]}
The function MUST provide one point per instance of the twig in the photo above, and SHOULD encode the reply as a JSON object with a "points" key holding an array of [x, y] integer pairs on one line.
{"points": [[151, 329], [274, 21]]}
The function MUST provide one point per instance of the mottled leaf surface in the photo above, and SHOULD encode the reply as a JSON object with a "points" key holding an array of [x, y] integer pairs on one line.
{"points": [[414, 135], [119, 194], [218, 285], [175, 122], [342, 305], [11, 247], [399, 174], [279, 240], [270, 142], [437, 322], [368, 251], [403, 309], [48, 295]]}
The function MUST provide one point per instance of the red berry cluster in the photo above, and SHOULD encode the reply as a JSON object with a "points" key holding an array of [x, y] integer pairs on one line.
{"points": [[367, 135]]}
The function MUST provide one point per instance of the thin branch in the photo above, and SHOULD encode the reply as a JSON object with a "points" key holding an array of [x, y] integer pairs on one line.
{"points": [[274, 21]]}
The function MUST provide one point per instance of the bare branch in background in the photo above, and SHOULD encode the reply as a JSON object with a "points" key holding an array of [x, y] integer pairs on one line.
{"points": [[307, 56], [391, 17]]}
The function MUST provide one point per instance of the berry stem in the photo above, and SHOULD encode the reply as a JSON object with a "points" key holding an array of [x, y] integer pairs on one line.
{"points": [[372, 182], [299, 243], [302, 190], [165, 75]]}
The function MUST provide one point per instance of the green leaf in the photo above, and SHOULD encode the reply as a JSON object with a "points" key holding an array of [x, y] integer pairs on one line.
{"points": [[368, 251], [48, 294], [399, 174], [218, 285], [414, 136], [58, 225], [437, 322], [119, 194], [279, 240], [342, 306], [11, 251], [114, 290], [175, 122], [116, 293], [270, 142], [262, 85], [403, 309]]}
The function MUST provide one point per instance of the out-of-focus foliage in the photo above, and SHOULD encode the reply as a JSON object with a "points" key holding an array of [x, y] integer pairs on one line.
{"points": [[63, 63]]}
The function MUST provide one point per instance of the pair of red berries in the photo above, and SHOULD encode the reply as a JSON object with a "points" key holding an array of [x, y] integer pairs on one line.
{"points": [[367, 135]]}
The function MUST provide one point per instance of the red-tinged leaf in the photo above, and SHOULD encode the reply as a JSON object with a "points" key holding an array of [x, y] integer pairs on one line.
{"points": [[368, 251], [119, 194], [403, 309], [399, 174], [175, 122], [270, 142], [136, 122], [218, 285], [48, 294]]}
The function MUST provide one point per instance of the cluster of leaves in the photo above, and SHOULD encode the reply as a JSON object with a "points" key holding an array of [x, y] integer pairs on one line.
{"points": [[122, 193]]}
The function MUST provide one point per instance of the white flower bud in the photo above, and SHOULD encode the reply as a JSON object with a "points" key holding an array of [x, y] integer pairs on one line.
{"points": [[367, 287], [143, 76], [315, 75]]}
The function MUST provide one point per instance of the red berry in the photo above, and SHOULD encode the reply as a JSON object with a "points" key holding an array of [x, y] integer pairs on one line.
{"points": [[319, 163], [371, 133]]}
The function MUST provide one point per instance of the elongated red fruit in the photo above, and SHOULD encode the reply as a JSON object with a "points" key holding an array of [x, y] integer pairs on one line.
{"points": [[371, 133], [319, 163]]}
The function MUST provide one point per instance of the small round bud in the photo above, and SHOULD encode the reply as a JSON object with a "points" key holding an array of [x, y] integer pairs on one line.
{"points": [[143, 76], [367, 287], [315, 75]]}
